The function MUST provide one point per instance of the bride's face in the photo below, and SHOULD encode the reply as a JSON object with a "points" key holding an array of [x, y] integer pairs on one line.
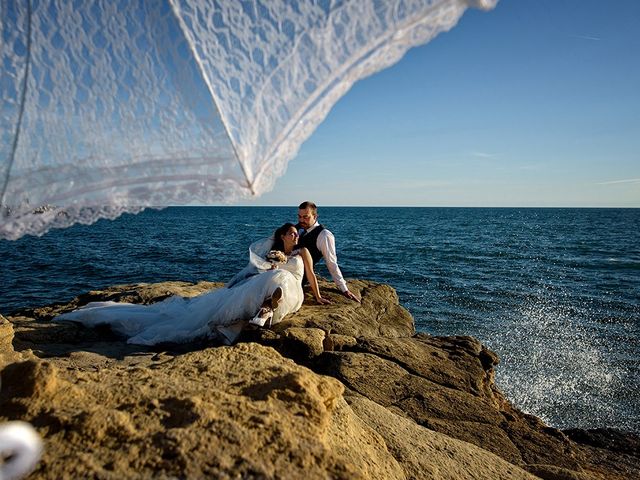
{"points": [[290, 238]]}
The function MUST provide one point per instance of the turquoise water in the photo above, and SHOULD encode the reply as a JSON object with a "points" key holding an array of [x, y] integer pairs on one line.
{"points": [[555, 292]]}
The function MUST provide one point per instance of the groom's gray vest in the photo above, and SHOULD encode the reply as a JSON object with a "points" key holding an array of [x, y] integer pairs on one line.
{"points": [[309, 240]]}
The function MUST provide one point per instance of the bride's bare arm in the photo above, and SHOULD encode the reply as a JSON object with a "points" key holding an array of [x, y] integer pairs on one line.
{"points": [[311, 276]]}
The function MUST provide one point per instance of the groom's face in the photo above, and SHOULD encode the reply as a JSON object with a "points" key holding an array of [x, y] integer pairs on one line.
{"points": [[306, 218]]}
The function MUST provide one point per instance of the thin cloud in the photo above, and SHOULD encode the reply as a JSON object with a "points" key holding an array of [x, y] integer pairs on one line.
{"points": [[586, 37], [483, 155], [614, 182], [532, 166]]}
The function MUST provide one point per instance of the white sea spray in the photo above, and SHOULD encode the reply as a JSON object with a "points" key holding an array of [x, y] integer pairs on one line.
{"points": [[556, 364]]}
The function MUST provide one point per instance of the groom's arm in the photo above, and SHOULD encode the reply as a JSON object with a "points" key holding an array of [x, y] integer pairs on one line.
{"points": [[326, 243]]}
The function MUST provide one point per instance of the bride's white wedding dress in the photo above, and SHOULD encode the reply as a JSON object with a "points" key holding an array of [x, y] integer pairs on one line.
{"points": [[220, 313]]}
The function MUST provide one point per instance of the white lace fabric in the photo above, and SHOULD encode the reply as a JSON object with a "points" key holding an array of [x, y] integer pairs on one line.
{"points": [[112, 106]]}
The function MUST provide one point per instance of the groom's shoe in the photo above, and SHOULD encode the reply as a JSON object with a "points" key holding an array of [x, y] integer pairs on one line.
{"points": [[276, 297], [264, 315]]}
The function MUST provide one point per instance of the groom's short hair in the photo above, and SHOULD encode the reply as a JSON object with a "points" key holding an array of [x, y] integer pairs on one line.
{"points": [[311, 205]]}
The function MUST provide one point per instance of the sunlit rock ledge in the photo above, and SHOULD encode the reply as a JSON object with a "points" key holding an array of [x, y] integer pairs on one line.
{"points": [[341, 391]]}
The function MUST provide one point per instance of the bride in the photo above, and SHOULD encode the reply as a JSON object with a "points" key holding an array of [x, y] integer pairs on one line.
{"points": [[262, 293]]}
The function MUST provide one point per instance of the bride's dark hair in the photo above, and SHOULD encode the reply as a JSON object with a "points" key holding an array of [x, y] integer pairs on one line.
{"points": [[278, 244]]}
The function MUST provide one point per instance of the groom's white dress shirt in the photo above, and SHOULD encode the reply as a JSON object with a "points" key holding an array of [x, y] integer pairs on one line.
{"points": [[326, 243]]}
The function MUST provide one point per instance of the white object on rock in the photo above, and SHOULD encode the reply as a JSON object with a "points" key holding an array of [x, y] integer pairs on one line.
{"points": [[21, 446]]}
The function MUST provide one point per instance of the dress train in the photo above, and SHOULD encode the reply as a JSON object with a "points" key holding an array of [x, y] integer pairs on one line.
{"points": [[221, 313]]}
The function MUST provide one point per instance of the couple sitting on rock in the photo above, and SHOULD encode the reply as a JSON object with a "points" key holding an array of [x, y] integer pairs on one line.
{"points": [[266, 290]]}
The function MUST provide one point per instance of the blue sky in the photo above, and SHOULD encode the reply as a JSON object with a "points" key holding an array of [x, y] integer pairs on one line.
{"points": [[535, 103]]}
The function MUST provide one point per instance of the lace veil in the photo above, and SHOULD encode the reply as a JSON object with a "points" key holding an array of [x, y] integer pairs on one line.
{"points": [[257, 252], [111, 106]]}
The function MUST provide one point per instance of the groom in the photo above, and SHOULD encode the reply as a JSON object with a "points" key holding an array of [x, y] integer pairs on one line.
{"points": [[320, 243]]}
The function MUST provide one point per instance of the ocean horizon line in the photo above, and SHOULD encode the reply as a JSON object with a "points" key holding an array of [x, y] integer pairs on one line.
{"points": [[416, 206]]}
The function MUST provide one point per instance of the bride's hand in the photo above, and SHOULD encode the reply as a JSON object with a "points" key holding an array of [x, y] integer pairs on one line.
{"points": [[323, 301]]}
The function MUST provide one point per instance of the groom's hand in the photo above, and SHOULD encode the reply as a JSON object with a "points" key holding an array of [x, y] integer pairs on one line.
{"points": [[350, 296]]}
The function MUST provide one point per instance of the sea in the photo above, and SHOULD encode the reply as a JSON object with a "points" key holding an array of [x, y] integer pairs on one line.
{"points": [[555, 292]]}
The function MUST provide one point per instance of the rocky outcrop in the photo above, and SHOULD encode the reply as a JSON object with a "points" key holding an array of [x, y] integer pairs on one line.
{"points": [[7, 353], [340, 391]]}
